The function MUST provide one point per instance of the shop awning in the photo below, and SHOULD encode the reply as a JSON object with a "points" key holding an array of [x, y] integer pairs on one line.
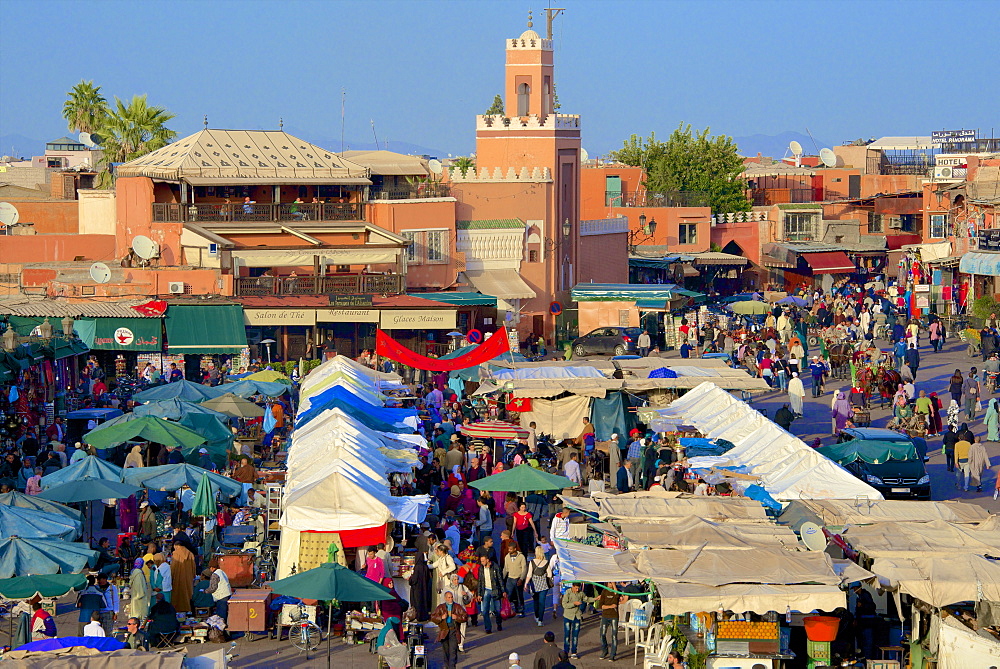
{"points": [[778, 263], [830, 262], [986, 264], [504, 283], [126, 334], [64, 348], [205, 329], [653, 263], [652, 305], [462, 299]]}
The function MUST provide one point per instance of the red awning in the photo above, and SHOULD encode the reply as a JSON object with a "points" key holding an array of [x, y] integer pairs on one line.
{"points": [[830, 262]]}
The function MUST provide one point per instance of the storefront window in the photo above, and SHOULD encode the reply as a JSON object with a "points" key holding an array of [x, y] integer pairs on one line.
{"points": [[939, 225], [800, 227]]}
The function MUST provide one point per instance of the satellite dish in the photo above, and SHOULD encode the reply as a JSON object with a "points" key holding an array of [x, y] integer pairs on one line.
{"points": [[86, 140], [828, 157], [145, 247], [795, 148], [8, 214], [100, 272], [95, 139], [434, 165], [584, 156], [812, 536]]}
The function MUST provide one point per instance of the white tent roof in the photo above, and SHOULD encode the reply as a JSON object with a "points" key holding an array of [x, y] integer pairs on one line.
{"points": [[341, 366], [550, 372], [942, 580], [787, 467]]}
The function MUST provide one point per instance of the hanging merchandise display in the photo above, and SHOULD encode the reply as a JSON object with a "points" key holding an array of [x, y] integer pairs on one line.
{"points": [[497, 344]]}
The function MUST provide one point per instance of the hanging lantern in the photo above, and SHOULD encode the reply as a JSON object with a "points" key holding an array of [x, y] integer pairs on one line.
{"points": [[67, 325], [45, 329], [10, 339]]}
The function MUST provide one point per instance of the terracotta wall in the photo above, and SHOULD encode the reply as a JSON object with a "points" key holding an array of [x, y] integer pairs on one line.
{"points": [[56, 248], [401, 215], [872, 184], [748, 235], [603, 314], [134, 199], [593, 188], [668, 221], [50, 218], [604, 258]]}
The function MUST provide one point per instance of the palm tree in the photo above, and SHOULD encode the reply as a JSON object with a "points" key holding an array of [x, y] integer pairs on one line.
{"points": [[132, 130], [85, 108]]}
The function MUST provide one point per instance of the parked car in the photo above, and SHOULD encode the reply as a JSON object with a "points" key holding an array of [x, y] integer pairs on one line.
{"points": [[607, 341], [888, 461]]}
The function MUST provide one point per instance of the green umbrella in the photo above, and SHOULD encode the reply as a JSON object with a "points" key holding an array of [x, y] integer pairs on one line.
{"points": [[331, 581], [522, 478], [87, 490], [147, 428], [48, 585], [204, 498], [749, 308], [235, 406]]}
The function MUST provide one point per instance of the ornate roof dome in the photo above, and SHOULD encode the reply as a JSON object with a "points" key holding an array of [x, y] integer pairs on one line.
{"points": [[529, 34]]}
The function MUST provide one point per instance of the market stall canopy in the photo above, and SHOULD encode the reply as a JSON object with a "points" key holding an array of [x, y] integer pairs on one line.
{"points": [[90, 467], [37, 524], [909, 539], [249, 387], [653, 508], [146, 428], [760, 598], [549, 372], [832, 512], [235, 406], [269, 376], [88, 490], [721, 567], [872, 451], [522, 478], [20, 556], [350, 408], [176, 409], [339, 367], [593, 564], [185, 390], [175, 477], [692, 532], [23, 501], [44, 585], [506, 284], [941, 580], [344, 396], [749, 308], [494, 429]]}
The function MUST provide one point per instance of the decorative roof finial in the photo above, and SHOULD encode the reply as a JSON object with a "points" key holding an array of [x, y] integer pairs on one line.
{"points": [[206, 121], [530, 23], [281, 123]]}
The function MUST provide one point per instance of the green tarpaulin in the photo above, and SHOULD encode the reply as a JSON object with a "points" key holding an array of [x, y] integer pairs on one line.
{"points": [[125, 334], [869, 450], [205, 329], [146, 428]]}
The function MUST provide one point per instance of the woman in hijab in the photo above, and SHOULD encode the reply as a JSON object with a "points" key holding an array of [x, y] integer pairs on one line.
{"points": [[134, 457], [454, 502], [992, 421], [796, 393], [60, 451], [841, 412], [138, 584], [498, 496], [955, 385], [899, 401], [953, 410], [420, 587], [182, 573], [393, 609], [389, 647], [979, 462]]}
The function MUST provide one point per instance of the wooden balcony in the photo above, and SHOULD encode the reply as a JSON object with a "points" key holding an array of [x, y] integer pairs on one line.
{"points": [[238, 212], [334, 284]]}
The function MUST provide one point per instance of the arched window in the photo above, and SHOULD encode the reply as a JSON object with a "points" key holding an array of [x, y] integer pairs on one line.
{"points": [[523, 94]]}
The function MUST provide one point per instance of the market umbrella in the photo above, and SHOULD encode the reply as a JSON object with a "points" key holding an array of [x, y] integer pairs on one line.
{"points": [[793, 299], [19, 499], [182, 390], [146, 428], [37, 524], [494, 429], [235, 406], [248, 388], [749, 308], [175, 409], [174, 477], [41, 585], [20, 555], [331, 581], [101, 643], [271, 376], [91, 467], [521, 479], [204, 498]]}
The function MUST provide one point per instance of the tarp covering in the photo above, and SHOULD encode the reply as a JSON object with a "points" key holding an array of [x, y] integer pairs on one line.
{"points": [[653, 508], [681, 598], [984, 264], [692, 532], [787, 467], [205, 329], [37, 524], [549, 373], [909, 539], [942, 580], [869, 450], [843, 512], [721, 567], [90, 658], [609, 416], [560, 418], [961, 648], [20, 556], [580, 562]]}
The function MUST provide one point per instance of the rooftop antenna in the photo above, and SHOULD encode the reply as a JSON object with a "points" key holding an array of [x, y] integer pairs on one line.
{"points": [[373, 133], [281, 123], [206, 121], [100, 273], [813, 140], [343, 97], [550, 14]]}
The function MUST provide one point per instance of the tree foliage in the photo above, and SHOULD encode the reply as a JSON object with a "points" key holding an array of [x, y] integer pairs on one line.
{"points": [[463, 164], [134, 129], [690, 161], [496, 109], [85, 108]]}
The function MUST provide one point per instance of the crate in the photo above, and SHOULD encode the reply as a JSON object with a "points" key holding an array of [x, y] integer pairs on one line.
{"points": [[883, 664], [249, 611], [818, 650]]}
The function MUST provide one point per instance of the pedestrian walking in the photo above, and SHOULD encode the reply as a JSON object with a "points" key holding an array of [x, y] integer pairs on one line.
{"points": [[608, 604], [538, 582], [572, 602], [971, 391], [448, 616], [992, 421], [796, 394], [955, 384], [817, 370], [913, 360], [979, 461], [948, 441], [643, 343]]}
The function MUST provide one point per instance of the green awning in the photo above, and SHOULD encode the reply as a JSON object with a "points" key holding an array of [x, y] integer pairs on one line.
{"points": [[652, 305], [124, 334], [622, 292], [60, 348], [462, 299], [205, 329], [23, 325]]}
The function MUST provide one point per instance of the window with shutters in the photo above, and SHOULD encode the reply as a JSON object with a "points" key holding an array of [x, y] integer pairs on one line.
{"points": [[436, 246], [411, 250]]}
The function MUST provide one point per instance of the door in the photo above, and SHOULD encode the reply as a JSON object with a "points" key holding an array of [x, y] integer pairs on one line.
{"points": [[296, 346], [854, 185], [538, 325]]}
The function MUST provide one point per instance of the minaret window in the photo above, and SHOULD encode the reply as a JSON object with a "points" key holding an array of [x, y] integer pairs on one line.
{"points": [[523, 96]]}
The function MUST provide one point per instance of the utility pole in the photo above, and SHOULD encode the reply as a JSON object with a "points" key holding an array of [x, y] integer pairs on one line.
{"points": [[550, 14]]}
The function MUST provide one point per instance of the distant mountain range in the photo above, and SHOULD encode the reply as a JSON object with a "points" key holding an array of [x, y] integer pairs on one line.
{"points": [[776, 146]]}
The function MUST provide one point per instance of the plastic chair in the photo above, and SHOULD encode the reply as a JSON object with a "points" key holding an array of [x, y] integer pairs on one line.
{"points": [[625, 622], [649, 645], [640, 620], [658, 659]]}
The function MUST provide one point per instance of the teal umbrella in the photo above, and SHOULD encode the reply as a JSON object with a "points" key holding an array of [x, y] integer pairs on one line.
{"points": [[41, 585], [175, 409], [87, 490], [23, 501], [19, 556], [91, 467], [175, 477], [181, 390], [521, 479], [331, 581], [248, 388], [36, 524], [146, 428], [204, 498]]}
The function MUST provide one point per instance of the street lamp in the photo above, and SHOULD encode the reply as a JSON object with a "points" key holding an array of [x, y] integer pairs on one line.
{"points": [[566, 228], [267, 347]]}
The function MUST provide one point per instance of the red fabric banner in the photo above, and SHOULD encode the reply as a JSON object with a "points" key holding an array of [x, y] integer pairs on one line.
{"points": [[365, 536], [388, 347], [519, 404]]}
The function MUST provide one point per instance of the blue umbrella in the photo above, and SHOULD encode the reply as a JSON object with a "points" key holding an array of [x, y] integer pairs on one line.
{"points": [[249, 387], [792, 299], [36, 524], [102, 643], [182, 390], [91, 467], [174, 477], [15, 498], [20, 556]]}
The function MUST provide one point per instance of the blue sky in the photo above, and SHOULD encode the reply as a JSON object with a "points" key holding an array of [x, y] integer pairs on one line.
{"points": [[421, 70]]}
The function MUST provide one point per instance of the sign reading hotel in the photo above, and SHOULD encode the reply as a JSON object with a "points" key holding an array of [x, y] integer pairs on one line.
{"points": [[352, 300], [279, 316], [400, 319]]}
